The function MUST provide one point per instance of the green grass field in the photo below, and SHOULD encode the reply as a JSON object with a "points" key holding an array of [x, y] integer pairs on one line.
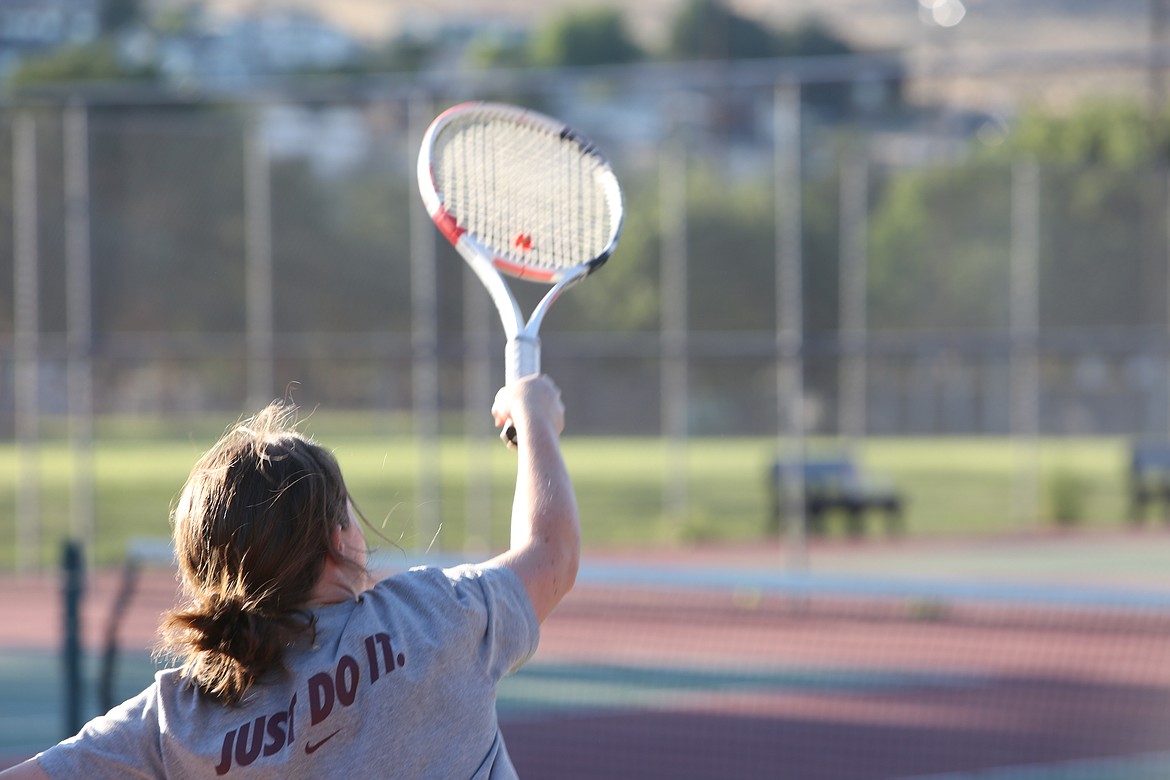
{"points": [[953, 486]]}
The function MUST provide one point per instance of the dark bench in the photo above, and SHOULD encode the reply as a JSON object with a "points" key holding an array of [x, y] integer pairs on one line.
{"points": [[834, 483], [1149, 478]]}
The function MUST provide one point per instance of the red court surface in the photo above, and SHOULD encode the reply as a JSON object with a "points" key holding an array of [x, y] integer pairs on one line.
{"points": [[654, 681]]}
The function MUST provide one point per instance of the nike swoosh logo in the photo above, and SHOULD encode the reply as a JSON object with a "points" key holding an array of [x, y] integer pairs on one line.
{"points": [[313, 747]]}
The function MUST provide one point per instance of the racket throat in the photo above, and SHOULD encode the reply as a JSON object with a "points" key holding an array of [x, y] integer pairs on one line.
{"points": [[521, 357]]}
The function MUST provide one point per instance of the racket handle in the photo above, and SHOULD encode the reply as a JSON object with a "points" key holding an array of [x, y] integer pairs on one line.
{"points": [[521, 359]]}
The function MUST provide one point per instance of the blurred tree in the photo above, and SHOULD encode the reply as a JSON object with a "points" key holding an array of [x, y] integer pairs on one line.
{"points": [[940, 237], [359, 220], [92, 62], [117, 15], [595, 36], [1103, 169], [625, 294], [709, 30], [938, 249], [813, 39], [810, 39], [177, 20], [1113, 133], [486, 51], [731, 251], [402, 54], [167, 220]]}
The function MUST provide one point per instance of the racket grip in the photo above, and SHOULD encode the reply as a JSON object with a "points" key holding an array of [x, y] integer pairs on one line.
{"points": [[521, 359]]}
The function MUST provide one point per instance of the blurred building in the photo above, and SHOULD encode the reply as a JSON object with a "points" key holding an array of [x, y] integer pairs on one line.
{"points": [[231, 53], [30, 27]]}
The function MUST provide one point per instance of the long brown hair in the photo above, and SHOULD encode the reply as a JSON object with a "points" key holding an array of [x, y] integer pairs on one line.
{"points": [[252, 528]]}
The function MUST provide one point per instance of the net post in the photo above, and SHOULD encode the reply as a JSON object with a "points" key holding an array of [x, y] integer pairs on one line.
{"points": [[73, 590]]}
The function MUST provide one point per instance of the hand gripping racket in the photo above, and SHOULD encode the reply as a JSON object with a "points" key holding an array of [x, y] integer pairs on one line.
{"points": [[519, 193]]}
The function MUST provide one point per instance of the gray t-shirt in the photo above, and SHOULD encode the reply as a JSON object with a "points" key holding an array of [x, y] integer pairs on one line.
{"points": [[399, 683]]}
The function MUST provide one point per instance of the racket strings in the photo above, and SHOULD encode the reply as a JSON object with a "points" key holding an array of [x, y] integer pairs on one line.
{"points": [[534, 198]]}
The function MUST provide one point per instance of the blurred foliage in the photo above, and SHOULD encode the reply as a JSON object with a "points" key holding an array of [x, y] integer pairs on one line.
{"points": [[1112, 133], [117, 15], [92, 62], [731, 256], [490, 51], [1068, 493], [940, 238], [700, 30], [166, 258], [580, 37], [710, 30], [592, 36], [624, 295], [938, 249], [402, 54], [810, 39], [176, 20]]}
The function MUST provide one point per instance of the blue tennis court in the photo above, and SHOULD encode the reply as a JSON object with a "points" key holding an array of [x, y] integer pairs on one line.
{"points": [[704, 667]]}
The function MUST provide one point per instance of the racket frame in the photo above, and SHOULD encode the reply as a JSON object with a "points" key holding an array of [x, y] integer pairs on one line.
{"points": [[522, 351]]}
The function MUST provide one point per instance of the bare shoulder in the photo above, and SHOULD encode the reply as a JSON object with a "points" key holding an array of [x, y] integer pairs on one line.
{"points": [[29, 770]]}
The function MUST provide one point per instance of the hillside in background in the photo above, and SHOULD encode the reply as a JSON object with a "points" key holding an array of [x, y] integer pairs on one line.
{"points": [[988, 24], [1045, 35]]}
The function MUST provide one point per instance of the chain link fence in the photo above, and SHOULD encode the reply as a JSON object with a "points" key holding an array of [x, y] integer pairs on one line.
{"points": [[813, 247]]}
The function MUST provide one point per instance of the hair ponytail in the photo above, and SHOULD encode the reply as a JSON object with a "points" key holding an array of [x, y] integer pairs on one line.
{"points": [[252, 531], [228, 643]]}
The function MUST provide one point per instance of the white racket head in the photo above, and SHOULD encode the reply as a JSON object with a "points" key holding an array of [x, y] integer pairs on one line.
{"points": [[521, 189]]}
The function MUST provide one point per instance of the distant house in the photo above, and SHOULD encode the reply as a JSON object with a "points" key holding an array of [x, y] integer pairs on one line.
{"points": [[30, 27], [236, 51]]}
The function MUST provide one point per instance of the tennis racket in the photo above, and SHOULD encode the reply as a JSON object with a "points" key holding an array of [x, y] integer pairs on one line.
{"points": [[519, 194]]}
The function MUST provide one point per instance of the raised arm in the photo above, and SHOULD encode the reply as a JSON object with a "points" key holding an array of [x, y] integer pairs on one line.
{"points": [[546, 533], [29, 770]]}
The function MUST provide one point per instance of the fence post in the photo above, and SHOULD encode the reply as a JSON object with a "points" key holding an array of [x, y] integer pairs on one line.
{"points": [[787, 173], [672, 181], [478, 325], [258, 271], [1024, 324], [854, 217], [424, 336], [26, 337], [1165, 411], [79, 295]]}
